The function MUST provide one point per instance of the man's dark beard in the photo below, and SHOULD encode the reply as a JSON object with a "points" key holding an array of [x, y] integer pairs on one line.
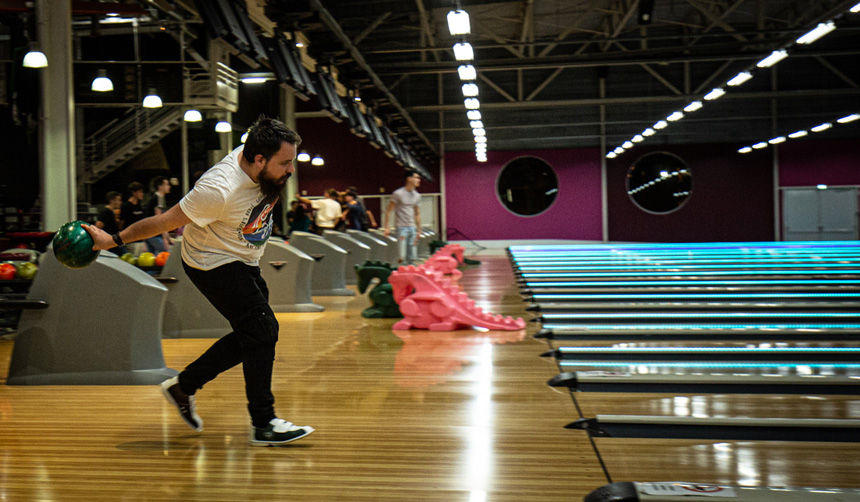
{"points": [[270, 187]]}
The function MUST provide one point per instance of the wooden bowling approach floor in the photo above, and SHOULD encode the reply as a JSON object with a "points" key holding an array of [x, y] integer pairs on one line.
{"points": [[399, 415]]}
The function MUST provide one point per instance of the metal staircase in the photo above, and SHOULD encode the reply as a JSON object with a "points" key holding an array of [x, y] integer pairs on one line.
{"points": [[121, 140], [206, 86]]}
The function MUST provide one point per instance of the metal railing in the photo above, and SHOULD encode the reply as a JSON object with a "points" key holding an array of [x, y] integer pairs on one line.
{"points": [[137, 130]]}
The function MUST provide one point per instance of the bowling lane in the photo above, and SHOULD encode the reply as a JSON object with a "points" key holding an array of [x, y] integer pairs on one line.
{"points": [[690, 304]]}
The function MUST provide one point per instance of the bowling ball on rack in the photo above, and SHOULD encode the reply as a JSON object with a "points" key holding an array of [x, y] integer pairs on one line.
{"points": [[146, 259], [27, 270], [7, 271], [73, 245], [161, 258]]}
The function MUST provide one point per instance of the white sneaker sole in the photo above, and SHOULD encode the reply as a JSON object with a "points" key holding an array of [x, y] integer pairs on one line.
{"points": [[260, 442]]}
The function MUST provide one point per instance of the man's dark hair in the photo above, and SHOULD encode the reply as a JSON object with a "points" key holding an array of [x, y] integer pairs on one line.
{"points": [[351, 194], [411, 172], [112, 195], [266, 136], [134, 186], [156, 182]]}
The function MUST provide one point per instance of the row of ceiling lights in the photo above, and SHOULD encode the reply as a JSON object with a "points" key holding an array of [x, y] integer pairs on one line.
{"points": [[458, 24], [775, 57], [799, 134]]}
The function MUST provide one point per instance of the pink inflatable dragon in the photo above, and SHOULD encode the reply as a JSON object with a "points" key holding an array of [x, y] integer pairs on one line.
{"points": [[428, 300]]}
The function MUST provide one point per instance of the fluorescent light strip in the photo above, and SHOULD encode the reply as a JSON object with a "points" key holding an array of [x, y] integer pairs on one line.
{"points": [[695, 105], [777, 140], [714, 94], [649, 132], [775, 57], [821, 127], [849, 118], [739, 79], [816, 33], [467, 72], [463, 51], [745, 149], [661, 124], [675, 116], [798, 134], [458, 22], [470, 90]]}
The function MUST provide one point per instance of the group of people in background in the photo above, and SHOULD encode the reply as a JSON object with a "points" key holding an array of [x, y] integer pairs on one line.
{"points": [[338, 211], [335, 211], [117, 215], [345, 210]]}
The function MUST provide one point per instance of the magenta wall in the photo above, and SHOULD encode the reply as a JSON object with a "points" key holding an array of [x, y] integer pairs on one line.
{"points": [[474, 209], [809, 163], [732, 198]]}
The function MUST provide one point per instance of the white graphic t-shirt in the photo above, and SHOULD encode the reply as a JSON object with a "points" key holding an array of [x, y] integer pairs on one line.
{"points": [[231, 219]]}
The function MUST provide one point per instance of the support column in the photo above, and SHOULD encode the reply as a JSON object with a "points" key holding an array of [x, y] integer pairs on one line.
{"points": [[57, 124], [604, 204], [288, 117]]}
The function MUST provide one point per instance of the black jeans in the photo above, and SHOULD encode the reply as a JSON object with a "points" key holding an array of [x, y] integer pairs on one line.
{"points": [[240, 294]]}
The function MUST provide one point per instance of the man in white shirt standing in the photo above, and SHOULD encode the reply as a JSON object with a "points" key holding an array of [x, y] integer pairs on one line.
{"points": [[327, 210], [228, 219], [406, 204]]}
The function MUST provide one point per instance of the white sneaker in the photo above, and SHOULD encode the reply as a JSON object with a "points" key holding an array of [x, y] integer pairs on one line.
{"points": [[278, 432]]}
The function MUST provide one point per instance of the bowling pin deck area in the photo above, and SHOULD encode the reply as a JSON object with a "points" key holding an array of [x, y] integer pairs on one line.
{"points": [[473, 415]]}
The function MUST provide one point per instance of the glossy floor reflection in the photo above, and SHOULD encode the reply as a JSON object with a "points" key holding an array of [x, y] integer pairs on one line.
{"points": [[400, 415], [406, 415]]}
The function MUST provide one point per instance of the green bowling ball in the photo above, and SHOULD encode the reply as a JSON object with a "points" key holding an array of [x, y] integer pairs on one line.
{"points": [[73, 245]]}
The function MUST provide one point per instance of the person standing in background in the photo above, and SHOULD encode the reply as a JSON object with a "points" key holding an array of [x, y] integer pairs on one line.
{"points": [[107, 219], [155, 205], [406, 204]]}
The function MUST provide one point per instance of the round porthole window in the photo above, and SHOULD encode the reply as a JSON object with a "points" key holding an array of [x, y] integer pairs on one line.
{"points": [[659, 182], [527, 186]]}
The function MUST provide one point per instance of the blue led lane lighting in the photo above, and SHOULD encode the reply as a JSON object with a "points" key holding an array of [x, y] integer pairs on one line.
{"points": [[671, 269], [566, 275], [794, 282], [610, 254], [712, 350], [698, 315], [682, 364], [675, 254], [695, 327], [697, 245], [672, 255], [693, 296], [845, 261]]}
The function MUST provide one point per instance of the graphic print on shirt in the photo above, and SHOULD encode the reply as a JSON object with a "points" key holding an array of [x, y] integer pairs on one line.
{"points": [[259, 227]]}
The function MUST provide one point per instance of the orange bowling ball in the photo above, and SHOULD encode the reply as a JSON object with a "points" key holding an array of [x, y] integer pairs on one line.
{"points": [[161, 259]]}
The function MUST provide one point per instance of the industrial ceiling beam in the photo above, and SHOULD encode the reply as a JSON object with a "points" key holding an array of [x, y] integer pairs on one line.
{"points": [[555, 104], [334, 26]]}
